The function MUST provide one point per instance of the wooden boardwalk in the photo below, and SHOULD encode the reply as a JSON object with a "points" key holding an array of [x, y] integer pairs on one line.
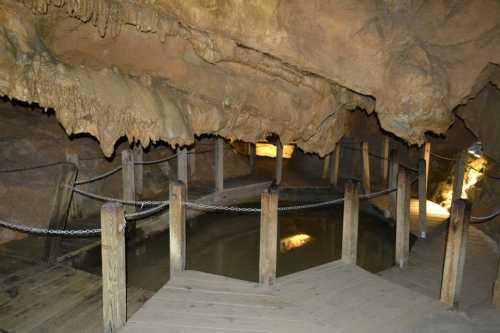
{"points": [[334, 297], [41, 298]]}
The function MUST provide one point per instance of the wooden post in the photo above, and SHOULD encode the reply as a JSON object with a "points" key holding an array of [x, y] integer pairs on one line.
{"points": [[335, 169], [177, 220], [496, 286], [114, 287], [251, 156], [139, 169], [182, 165], [75, 207], [455, 253], [268, 237], [385, 159], [350, 222], [403, 220], [393, 180], [128, 179], [422, 198], [365, 156], [326, 166], [219, 164], [279, 161], [427, 158], [60, 208], [192, 164], [458, 181]]}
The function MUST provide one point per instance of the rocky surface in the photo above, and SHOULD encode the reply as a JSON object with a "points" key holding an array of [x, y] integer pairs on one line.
{"points": [[169, 70]]}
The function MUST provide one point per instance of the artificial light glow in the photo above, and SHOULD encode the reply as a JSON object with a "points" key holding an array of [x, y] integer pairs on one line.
{"points": [[293, 242], [269, 150], [435, 212]]}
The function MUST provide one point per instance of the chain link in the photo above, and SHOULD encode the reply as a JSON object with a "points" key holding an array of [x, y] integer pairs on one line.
{"points": [[96, 178], [109, 199], [49, 232]]}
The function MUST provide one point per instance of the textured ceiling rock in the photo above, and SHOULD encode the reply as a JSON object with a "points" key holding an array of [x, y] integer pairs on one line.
{"points": [[171, 69]]}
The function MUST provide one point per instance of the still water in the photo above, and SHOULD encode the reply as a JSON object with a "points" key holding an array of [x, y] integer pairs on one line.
{"points": [[228, 244]]}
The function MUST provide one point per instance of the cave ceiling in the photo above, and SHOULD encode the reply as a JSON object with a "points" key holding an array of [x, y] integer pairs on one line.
{"points": [[173, 69]]}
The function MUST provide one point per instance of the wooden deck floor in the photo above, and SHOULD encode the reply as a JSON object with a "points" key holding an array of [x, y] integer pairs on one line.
{"points": [[55, 299], [335, 297]]}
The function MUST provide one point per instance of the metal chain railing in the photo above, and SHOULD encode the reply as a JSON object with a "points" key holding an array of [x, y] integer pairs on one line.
{"points": [[483, 219], [110, 199], [99, 177], [49, 232]]}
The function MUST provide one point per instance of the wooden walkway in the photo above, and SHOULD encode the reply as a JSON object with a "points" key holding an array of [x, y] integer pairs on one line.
{"points": [[56, 299], [334, 297]]}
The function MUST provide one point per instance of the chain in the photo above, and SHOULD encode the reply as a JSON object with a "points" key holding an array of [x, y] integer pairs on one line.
{"points": [[96, 178], [109, 199], [49, 232], [34, 167], [156, 161], [483, 219], [442, 157], [200, 206], [146, 213]]}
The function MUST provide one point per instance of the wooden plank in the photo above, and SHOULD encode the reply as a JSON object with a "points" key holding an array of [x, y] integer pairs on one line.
{"points": [[219, 164], [279, 162], [335, 169], [384, 161], [60, 208], [455, 253], [182, 165], [422, 198], [393, 180], [268, 237], [365, 157], [251, 156], [177, 220], [128, 179], [139, 169], [403, 220], [326, 166], [192, 164], [75, 208], [114, 292], [350, 223]]}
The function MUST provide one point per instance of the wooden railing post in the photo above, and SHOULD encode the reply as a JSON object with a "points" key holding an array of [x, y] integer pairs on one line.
{"points": [[459, 174], [350, 223], [393, 180], [75, 207], [427, 158], [128, 179], [403, 219], [335, 169], [384, 161], [60, 208], [182, 165], [192, 164], [496, 286], [326, 166], [422, 198], [139, 169], [454, 259], [279, 162], [219, 164], [251, 156], [114, 288], [365, 156], [268, 237], [177, 220]]}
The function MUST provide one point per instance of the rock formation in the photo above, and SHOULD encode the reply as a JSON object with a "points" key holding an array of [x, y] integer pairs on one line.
{"points": [[172, 69]]}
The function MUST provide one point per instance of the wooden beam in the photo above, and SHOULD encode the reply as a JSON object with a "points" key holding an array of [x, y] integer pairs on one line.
{"points": [[335, 169], [403, 219], [427, 158], [251, 156], [365, 157], [393, 180], [139, 169], [279, 162], [268, 237], [350, 223], [422, 198], [75, 207], [384, 161], [60, 209], [496, 286], [326, 166], [219, 164], [192, 164], [177, 220], [182, 165], [128, 179], [459, 174], [455, 253], [114, 287]]}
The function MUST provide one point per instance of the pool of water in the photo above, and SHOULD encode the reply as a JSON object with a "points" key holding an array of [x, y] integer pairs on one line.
{"points": [[228, 244]]}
